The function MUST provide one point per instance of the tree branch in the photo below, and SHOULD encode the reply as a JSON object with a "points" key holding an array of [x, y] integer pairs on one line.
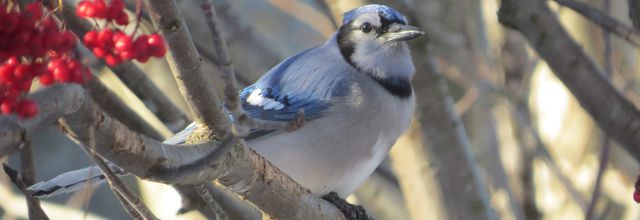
{"points": [[13, 131], [129, 200], [186, 66], [618, 117], [241, 169], [35, 211], [204, 193], [605, 21]]}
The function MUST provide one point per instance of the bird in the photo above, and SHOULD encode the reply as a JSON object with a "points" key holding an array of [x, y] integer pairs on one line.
{"points": [[356, 93]]}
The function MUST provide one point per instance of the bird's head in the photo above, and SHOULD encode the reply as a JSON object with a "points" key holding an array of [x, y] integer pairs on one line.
{"points": [[372, 39]]}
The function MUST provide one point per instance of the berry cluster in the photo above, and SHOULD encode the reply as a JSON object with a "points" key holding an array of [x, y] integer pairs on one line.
{"points": [[30, 43], [99, 9], [115, 46]]}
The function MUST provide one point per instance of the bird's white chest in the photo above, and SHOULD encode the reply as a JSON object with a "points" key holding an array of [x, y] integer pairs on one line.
{"points": [[339, 151]]}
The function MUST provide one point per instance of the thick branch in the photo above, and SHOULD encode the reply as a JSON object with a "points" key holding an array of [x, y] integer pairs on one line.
{"points": [[242, 170], [618, 117], [186, 66], [13, 130]]}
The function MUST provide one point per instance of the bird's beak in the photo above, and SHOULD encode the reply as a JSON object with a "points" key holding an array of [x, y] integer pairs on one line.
{"points": [[403, 33]]}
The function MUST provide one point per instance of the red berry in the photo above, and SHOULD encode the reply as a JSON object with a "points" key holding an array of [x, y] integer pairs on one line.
{"points": [[143, 58], [6, 74], [122, 42], [140, 46], [61, 74], [22, 38], [74, 65], [83, 8], [53, 63], [105, 37], [122, 18], [7, 106], [22, 71], [46, 79], [100, 52], [112, 60], [68, 41], [158, 51], [55, 39], [99, 9], [117, 5], [127, 55], [27, 108], [49, 25], [91, 39], [13, 61], [25, 85], [37, 69], [35, 9], [155, 40], [13, 92]]}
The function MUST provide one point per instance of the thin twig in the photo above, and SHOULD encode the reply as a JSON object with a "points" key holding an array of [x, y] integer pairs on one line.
{"points": [[524, 115], [605, 150], [243, 123], [139, 211], [605, 21], [26, 164], [35, 211], [204, 193]]}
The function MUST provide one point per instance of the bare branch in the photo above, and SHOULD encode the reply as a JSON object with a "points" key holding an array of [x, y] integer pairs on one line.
{"points": [[618, 117], [35, 211], [204, 193], [186, 66], [242, 170], [605, 21], [634, 12], [606, 144], [127, 198], [26, 164], [13, 131], [235, 207]]}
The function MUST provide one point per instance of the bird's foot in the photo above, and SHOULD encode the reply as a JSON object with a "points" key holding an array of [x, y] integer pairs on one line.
{"points": [[352, 212]]}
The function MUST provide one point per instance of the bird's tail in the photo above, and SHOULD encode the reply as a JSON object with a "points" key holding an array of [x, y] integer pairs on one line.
{"points": [[77, 179], [72, 181]]}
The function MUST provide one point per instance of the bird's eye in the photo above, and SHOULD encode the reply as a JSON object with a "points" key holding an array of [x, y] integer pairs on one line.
{"points": [[366, 27]]}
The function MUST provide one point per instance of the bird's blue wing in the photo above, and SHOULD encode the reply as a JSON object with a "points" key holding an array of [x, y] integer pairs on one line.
{"points": [[287, 88], [269, 104]]}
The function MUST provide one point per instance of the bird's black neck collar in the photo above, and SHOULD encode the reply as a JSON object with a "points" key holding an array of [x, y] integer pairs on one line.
{"points": [[399, 87]]}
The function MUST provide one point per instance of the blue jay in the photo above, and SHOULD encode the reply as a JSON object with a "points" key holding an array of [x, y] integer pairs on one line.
{"points": [[355, 90]]}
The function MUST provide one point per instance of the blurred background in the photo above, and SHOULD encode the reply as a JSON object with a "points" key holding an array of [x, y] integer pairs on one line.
{"points": [[537, 152]]}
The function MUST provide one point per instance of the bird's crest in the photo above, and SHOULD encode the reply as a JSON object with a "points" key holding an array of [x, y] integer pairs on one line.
{"points": [[383, 10]]}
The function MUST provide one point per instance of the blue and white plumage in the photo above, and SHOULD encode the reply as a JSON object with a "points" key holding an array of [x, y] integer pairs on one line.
{"points": [[356, 94]]}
